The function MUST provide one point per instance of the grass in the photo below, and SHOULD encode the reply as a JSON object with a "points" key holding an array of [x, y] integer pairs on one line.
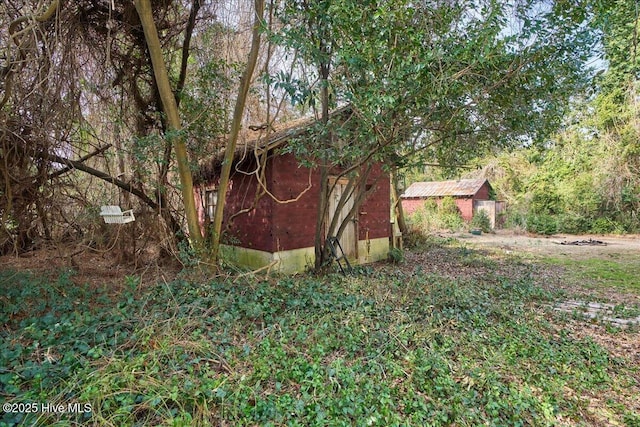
{"points": [[620, 272], [385, 348]]}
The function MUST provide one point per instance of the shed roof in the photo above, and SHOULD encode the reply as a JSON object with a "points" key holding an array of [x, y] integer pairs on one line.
{"points": [[462, 187], [266, 138]]}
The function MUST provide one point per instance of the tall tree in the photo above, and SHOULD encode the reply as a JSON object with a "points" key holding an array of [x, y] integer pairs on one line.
{"points": [[436, 81], [230, 149], [81, 82], [617, 118], [618, 23], [171, 110]]}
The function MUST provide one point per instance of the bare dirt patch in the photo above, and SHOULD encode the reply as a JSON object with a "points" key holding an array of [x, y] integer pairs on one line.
{"points": [[608, 271], [87, 266], [509, 241]]}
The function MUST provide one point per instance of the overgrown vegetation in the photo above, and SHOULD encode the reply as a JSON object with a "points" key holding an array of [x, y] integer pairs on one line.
{"points": [[582, 182], [100, 127], [388, 347], [433, 216], [579, 185], [587, 179], [481, 221], [440, 216]]}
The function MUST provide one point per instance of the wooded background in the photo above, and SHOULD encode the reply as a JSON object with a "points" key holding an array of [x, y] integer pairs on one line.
{"points": [[541, 95]]}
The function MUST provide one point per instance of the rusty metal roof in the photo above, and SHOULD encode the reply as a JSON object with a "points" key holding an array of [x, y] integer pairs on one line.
{"points": [[462, 187]]}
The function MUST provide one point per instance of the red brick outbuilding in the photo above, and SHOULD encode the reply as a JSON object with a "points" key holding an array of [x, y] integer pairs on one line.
{"points": [[464, 191], [272, 204]]}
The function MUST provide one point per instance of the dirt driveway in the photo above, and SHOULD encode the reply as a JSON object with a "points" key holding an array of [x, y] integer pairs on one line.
{"points": [[553, 245]]}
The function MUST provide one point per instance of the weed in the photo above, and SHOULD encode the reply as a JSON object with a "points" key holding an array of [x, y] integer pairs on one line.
{"points": [[622, 311], [435, 217], [619, 273], [541, 224], [396, 255]]}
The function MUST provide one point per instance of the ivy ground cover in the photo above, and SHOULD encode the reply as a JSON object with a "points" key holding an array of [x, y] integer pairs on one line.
{"points": [[387, 346]]}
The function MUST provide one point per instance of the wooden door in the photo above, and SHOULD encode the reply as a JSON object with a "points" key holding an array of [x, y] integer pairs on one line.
{"points": [[349, 239]]}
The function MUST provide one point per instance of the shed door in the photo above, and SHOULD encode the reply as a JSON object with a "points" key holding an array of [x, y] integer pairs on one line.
{"points": [[348, 240]]}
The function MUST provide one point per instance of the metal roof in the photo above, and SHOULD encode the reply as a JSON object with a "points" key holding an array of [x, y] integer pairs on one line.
{"points": [[462, 187]]}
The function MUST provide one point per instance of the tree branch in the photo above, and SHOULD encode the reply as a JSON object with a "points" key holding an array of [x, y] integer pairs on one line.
{"points": [[186, 46], [79, 165], [82, 159]]}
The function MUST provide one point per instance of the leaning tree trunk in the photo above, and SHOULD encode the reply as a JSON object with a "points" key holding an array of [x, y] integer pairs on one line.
{"points": [[173, 118], [397, 202], [230, 149]]}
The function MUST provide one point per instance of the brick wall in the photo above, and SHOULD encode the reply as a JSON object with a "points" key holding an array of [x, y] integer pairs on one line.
{"points": [[374, 219], [294, 223], [283, 224], [465, 206]]}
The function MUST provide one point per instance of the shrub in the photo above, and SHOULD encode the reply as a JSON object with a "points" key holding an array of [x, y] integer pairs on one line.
{"points": [[396, 255], [542, 224], [515, 219], [546, 200], [448, 206], [573, 224], [604, 226], [430, 205], [452, 222], [415, 237], [627, 222], [434, 217], [481, 221]]}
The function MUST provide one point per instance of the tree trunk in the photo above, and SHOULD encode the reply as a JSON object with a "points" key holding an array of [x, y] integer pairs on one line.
{"points": [[320, 247], [171, 110], [230, 149], [396, 203]]}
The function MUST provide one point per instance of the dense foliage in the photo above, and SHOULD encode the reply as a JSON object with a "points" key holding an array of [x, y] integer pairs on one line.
{"points": [[444, 80], [574, 187], [433, 217], [587, 180], [78, 94], [429, 82], [586, 177]]}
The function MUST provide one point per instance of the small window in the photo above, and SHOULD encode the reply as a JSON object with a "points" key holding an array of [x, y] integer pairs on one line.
{"points": [[210, 201]]}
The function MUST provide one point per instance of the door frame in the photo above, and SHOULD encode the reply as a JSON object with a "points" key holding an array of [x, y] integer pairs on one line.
{"points": [[352, 251]]}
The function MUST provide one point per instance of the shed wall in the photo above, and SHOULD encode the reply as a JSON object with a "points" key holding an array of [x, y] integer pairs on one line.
{"points": [[465, 206], [294, 223], [283, 230], [464, 203], [409, 206], [483, 192], [374, 214], [252, 229]]}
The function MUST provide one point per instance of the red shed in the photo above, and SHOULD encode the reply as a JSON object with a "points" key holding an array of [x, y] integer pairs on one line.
{"points": [[464, 191], [272, 204]]}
